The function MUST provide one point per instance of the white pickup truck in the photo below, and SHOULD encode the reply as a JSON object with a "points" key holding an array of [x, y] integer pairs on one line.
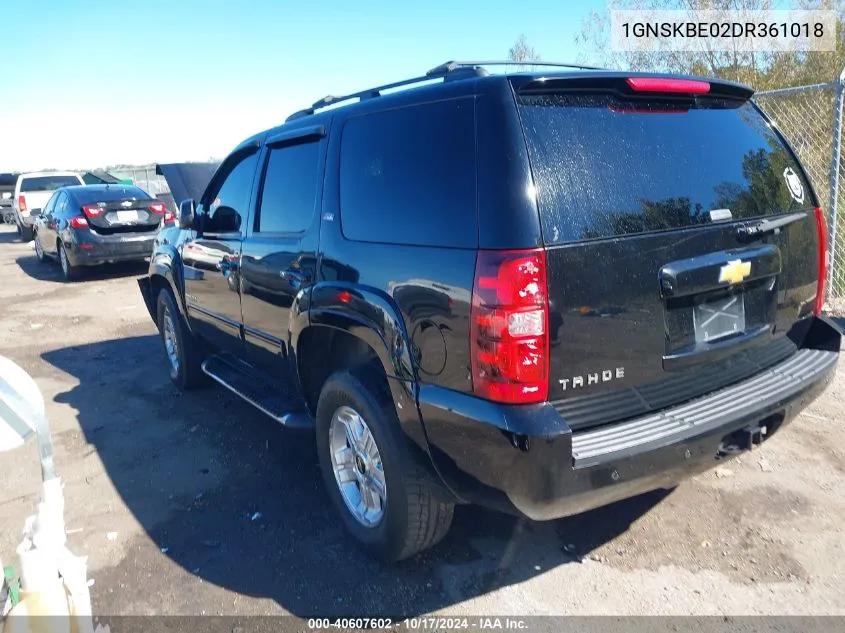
{"points": [[32, 192]]}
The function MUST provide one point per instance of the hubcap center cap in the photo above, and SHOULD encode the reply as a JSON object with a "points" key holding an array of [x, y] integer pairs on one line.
{"points": [[360, 466]]}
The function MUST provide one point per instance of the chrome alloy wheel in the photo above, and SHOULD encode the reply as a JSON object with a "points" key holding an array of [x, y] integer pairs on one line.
{"points": [[39, 251], [171, 346], [357, 466]]}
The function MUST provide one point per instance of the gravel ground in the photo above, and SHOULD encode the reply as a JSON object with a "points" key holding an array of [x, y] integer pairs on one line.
{"points": [[214, 509]]}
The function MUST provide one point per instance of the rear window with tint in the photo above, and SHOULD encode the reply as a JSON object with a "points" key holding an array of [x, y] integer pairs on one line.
{"points": [[407, 176], [47, 183], [88, 196], [606, 167]]}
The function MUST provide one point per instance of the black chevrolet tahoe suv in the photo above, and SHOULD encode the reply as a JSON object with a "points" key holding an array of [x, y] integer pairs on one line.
{"points": [[539, 292]]}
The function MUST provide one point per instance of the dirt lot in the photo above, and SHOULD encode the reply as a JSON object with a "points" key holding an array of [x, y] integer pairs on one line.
{"points": [[179, 479]]}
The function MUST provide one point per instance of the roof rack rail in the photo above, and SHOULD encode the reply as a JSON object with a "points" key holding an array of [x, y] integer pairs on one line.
{"points": [[452, 66], [370, 93], [447, 71]]}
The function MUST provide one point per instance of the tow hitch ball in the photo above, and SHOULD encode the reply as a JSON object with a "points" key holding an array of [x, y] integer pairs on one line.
{"points": [[741, 440]]}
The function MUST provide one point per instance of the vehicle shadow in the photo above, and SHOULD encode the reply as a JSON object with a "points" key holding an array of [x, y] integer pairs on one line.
{"points": [[49, 270], [9, 234], [237, 501]]}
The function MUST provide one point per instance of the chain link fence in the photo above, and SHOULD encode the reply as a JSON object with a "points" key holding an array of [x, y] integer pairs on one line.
{"points": [[144, 177], [810, 117]]}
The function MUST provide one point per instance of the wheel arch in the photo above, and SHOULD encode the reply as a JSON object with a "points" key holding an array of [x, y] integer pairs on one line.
{"points": [[348, 324], [164, 272], [322, 350]]}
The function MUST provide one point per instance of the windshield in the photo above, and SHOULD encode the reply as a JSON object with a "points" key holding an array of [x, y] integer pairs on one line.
{"points": [[605, 167], [47, 183]]}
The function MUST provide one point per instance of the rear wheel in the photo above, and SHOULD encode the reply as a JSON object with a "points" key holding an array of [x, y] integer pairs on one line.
{"points": [[25, 232], [385, 502], [70, 272], [184, 357]]}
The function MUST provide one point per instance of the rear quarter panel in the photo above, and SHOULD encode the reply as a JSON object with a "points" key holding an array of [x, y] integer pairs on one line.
{"points": [[426, 289]]}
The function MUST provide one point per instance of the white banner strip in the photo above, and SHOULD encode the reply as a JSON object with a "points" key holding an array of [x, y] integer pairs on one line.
{"points": [[722, 31]]}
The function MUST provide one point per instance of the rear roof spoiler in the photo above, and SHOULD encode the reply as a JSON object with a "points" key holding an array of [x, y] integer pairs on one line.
{"points": [[618, 82]]}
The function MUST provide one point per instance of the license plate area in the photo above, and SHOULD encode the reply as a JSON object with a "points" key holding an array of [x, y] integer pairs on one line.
{"points": [[719, 318], [125, 217]]}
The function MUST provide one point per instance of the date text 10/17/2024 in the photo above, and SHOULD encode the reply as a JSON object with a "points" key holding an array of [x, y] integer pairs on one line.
{"points": [[422, 623]]}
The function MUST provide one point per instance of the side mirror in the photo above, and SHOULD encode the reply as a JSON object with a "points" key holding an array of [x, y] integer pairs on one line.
{"points": [[21, 405], [187, 214]]}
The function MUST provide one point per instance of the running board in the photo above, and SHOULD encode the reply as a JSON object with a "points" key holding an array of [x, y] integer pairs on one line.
{"points": [[280, 402]]}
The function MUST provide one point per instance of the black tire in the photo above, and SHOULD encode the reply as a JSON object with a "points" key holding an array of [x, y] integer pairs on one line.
{"points": [[188, 373], [414, 519], [39, 249], [69, 271], [26, 233]]}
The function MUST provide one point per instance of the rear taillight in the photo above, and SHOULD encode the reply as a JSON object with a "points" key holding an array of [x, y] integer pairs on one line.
{"points": [[157, 208], [169, 217], [663, 84], [22, 203], [92, 211], [509, 327], [821, 228], [79, 222]]}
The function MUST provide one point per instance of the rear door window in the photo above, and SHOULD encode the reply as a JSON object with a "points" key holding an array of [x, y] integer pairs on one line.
{"points": [[607, 167], [289, 191], [47, 183], [407, 175]]}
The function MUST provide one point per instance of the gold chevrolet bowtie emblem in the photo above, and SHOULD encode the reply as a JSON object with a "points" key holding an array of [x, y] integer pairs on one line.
{"points": [[734, 271]]}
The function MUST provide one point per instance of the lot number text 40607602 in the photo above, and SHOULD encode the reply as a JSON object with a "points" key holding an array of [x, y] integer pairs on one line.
{"points": [[422, 623]]}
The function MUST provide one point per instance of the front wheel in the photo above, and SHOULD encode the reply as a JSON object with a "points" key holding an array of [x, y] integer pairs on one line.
{"points": [[184, 357], [39, 249], [385, 502]]}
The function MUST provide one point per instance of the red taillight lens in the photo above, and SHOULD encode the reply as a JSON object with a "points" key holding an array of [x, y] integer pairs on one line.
{"points": [[169, 217], [92, 211], [79, 223], [821, 228], [661, 84], [509, 327], [157, 208], [22, 203]]}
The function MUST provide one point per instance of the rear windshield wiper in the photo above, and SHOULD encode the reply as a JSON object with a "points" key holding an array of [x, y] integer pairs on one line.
{"points": [[749, 232]]}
